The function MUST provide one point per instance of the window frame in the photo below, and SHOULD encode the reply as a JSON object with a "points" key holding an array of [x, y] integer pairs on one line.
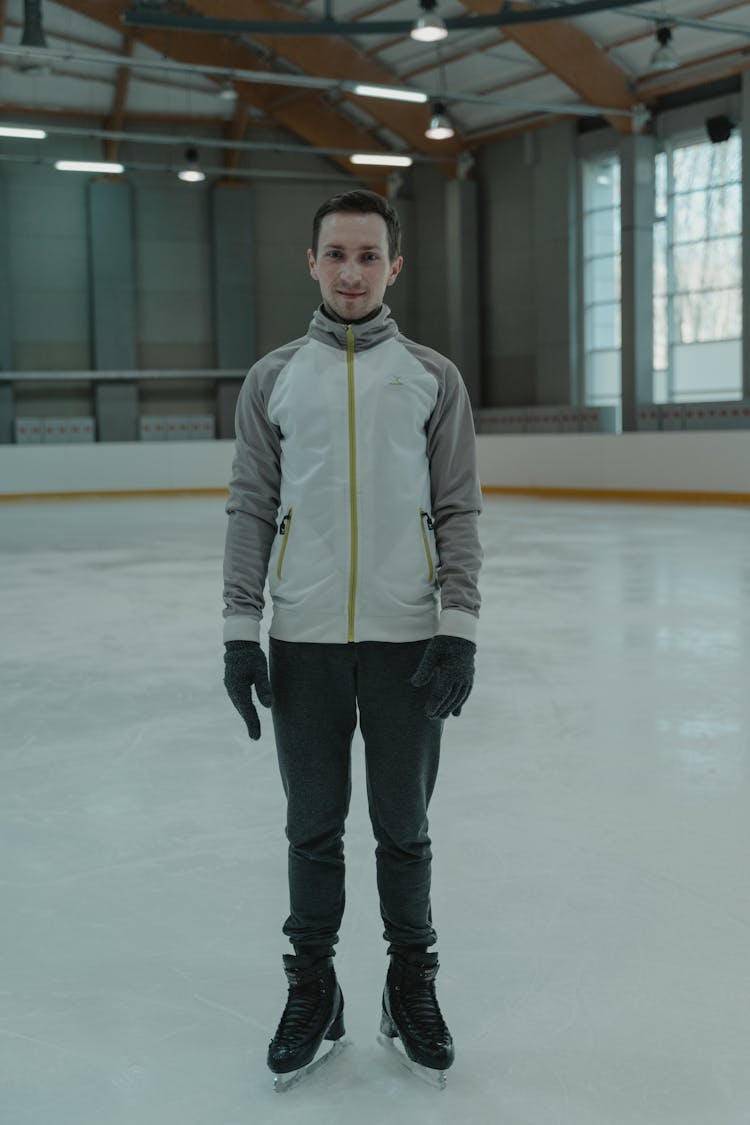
{"points": [[667, 147], [611, 156]]}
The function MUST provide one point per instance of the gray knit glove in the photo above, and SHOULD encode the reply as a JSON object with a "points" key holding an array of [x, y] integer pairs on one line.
{"points": [[245, 666], [448, 665]]}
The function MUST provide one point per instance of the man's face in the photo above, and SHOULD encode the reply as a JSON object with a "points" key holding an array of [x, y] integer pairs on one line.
{"points": [[352, 264]]}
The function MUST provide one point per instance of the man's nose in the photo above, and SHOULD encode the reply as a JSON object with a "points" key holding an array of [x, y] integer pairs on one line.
{"points": [[350, 271]]}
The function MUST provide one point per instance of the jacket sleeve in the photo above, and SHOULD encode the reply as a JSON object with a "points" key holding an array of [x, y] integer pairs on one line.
{"points": [[252, 507], [456, 504]]}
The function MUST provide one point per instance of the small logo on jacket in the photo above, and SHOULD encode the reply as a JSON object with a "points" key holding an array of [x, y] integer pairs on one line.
{"points": [[397, 381]]}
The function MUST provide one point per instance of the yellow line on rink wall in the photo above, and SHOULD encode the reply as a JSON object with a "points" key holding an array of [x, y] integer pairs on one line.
{"points": [[620, 495], [115, 494], [603, 495]]}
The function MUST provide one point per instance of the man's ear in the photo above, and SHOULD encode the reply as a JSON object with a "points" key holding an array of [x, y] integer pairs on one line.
{"points": [[311, 264], [396, 265]]}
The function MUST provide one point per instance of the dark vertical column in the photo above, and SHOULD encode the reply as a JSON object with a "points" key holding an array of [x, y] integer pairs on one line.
{"points": [[433, 266], [462, 279], [116, 406], [235, 323], [6, 345], [7, 411], [505, 171], [637, 210], [233, 277], [112, 276], [113, 325], [6, 348], [554, 224], [227, 392]]}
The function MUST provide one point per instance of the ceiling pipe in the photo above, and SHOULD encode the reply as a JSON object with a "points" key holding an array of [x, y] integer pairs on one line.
{"points": [[192, 140], [148, 17], [684, 21], [218, 173], [302, 81]]}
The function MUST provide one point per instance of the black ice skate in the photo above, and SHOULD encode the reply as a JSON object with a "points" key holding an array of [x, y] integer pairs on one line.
{"points": [[314, 1012], [411, 1014]]}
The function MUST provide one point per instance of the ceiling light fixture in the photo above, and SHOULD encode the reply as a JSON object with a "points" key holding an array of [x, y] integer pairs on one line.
{"points": [[440, 128], [227, 93], [429, 28], [389, 92], [191, 173], [664, 57], [27, 134], [106, 167], [381, 159]]}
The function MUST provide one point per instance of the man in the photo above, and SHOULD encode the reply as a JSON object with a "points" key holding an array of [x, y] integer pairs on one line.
{"points": [[354, 489]]}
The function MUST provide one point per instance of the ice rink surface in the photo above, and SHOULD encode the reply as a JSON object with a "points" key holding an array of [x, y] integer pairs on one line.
{"points": [[591, 831]]}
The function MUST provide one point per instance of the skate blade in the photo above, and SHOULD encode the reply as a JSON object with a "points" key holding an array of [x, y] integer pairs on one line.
{"points": [[328, 1051], [438, 1079]]}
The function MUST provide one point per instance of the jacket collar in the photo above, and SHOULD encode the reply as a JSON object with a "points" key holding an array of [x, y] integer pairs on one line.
{"points": [[366, 335]]}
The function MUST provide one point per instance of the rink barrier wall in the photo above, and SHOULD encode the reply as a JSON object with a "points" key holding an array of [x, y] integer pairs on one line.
{"points": [[688, 467]]}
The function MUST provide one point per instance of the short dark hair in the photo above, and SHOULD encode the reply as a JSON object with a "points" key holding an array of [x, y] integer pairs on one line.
{"points": [[363, 203]]}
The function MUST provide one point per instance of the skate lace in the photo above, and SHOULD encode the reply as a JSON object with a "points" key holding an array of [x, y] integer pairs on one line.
{"points": [[301, 1007], [423, 1011]]}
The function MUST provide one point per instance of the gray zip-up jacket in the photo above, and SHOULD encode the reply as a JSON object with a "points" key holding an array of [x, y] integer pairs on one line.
{"points": [[354, 490]]}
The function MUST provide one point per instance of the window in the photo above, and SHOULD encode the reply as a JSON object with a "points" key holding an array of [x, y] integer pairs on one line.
{"points": [[698, 273], [601, 281]]}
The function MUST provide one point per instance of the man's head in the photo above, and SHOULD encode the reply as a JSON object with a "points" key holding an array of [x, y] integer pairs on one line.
{"points": [[355, 253], [360, 203]]}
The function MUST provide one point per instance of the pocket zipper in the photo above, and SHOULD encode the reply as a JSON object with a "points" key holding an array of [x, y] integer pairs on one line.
{"points": [[424, 517], [284, 529]]}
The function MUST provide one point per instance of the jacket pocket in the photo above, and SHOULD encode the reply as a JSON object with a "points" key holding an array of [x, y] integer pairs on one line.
{"points": [[285, 528], [426, 524]]}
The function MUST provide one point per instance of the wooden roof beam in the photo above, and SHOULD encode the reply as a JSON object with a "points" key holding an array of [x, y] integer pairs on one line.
{"points": [[565, 50], [116, 119], [235, 131], [696, 73]]}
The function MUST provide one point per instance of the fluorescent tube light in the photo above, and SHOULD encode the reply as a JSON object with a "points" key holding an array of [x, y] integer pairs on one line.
{"points": [[27, 134], [380, 158], [89, 166], [398, 95]]}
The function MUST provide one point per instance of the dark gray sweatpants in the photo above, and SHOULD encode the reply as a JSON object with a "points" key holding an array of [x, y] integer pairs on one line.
{"points": [[317, 690]]}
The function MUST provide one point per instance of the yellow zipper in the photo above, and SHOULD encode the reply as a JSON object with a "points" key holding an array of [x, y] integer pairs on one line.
{"points": [[352, 481], [431, 569], [286, 524]]}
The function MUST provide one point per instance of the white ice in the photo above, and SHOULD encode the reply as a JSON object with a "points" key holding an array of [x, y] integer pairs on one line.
{"points": [[591, 833]]}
